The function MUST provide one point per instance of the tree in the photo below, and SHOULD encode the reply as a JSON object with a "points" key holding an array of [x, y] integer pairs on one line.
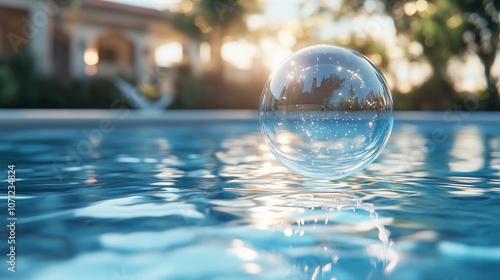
{"points": [[211, 20], [482, 37], [450, 28]]}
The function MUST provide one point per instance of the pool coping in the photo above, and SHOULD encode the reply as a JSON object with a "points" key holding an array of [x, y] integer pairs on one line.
{"points": [[37, 117]]}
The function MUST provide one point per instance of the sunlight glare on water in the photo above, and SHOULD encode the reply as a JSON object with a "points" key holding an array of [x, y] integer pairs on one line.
{"points": [[219, 206]]}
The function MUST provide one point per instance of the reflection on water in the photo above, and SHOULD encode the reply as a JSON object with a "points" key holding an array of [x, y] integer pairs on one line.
{"points": [[210, 202], [467, 151]]}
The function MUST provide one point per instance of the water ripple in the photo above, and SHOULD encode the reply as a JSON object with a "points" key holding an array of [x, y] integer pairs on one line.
{"points": [[210, 202]]}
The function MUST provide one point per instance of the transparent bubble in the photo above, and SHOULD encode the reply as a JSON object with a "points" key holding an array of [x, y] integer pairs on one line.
{"points": [[326, 112]]}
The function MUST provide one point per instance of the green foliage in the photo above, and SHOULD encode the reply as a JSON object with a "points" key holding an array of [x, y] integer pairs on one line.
{"points": [[210, 20], [101, 93], [438, 28], [56, 94], [202, 92], [204, 17], [78, 94], [185, 24], [192, 92], [8, 87], [16, 81], [21, 88], [451, 28]]}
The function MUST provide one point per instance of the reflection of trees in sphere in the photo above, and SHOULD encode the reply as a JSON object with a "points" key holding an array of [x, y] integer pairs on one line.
{"points": [[326, 112]]}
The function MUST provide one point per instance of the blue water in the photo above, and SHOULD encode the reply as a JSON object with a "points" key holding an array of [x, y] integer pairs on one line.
{"points": [[207, 200]]}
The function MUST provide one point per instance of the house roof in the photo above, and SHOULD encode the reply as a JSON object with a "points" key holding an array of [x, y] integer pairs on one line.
{"points": [[125, 9]]}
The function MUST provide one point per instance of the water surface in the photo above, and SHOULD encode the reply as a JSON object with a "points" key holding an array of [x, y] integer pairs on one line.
{"points": [[207, 200]]}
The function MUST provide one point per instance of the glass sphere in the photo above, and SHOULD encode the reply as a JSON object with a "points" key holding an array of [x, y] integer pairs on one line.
{"points": [[326, 112]]}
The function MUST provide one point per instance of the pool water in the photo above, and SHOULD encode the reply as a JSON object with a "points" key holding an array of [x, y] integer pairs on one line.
{"points": [[207, 200]]}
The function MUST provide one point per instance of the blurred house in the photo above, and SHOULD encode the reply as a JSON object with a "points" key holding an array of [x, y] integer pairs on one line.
{"points": [[92, 38]]}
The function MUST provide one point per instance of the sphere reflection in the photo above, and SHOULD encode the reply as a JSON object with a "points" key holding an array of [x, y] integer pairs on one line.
{"points": [[326, 112]]}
